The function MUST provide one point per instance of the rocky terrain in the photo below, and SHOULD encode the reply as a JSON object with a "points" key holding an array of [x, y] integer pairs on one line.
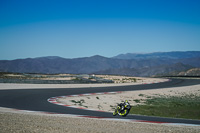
{"points": [[190, 72]]}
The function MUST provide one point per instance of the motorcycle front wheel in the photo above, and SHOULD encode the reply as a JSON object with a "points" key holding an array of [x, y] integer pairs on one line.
{"points": [[115, 112]]}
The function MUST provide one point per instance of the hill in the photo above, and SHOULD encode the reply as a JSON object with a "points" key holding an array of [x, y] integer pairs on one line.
{"points": [[191, 72], [161, 70], [139, 65], [163, 55]]}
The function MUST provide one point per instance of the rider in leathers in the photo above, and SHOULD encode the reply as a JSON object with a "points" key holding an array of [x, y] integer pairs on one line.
{"points": [[123, 106]]}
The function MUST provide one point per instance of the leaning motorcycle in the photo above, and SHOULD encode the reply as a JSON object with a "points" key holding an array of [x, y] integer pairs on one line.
{"points": [[122, 109]]}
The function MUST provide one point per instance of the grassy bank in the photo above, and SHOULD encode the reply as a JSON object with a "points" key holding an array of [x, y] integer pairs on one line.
{"points": [[184, 106]]}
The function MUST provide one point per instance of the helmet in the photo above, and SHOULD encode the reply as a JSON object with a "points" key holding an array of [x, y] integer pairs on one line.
{"points": [[126, 101]]}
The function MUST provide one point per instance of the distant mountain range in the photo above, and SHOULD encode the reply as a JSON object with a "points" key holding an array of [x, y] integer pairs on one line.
{"points": [[163, 55], [158, 63]]}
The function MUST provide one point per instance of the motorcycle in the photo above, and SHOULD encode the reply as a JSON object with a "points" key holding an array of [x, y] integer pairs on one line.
{"points": [[122, 109]]}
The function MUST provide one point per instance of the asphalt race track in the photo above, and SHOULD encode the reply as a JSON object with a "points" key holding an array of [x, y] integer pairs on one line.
{"points": [[36, 100]]}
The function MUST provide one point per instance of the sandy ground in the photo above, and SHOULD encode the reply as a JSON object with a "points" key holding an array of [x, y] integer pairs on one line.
{"points": [[19, 121], [107, 101], [29, 123]]}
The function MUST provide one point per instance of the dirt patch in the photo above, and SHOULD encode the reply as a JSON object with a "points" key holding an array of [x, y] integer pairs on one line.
{"points": [[18, 123], [108, 101]]}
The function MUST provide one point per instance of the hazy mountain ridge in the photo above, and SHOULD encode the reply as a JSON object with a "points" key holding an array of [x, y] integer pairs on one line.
{"points": [[163, 55], [140, 65], [161, 70]]}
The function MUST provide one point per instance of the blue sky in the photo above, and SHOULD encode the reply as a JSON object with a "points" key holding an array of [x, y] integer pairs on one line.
{"points": [[83, 28]]}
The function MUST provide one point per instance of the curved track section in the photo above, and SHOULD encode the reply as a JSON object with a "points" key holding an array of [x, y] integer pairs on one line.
{"points": [[36, 100]]}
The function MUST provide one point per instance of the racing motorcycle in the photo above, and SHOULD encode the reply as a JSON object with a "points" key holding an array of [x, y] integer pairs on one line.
{"points": [[122, 109]]}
